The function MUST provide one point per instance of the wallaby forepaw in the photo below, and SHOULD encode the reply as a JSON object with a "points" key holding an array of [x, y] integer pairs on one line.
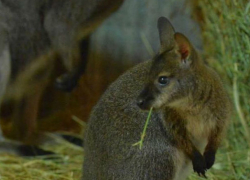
{"points": [[199, 164], [209, 158], [66, 83]]}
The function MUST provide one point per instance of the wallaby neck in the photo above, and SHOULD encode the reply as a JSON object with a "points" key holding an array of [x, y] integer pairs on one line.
{"points": [[200, 96]]}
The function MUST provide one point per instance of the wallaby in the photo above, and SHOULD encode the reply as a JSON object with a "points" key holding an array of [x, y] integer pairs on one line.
{"points": [[191, 111], [38, 33]]}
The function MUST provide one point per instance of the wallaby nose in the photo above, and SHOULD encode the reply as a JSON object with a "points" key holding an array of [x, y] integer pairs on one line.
{"points": [[144, 100], [140, 102]]}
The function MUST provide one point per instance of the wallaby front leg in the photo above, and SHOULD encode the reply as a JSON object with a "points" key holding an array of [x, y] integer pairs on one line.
{"points": [[198, 161], [209, 156], [184, 142], [212, 146]]}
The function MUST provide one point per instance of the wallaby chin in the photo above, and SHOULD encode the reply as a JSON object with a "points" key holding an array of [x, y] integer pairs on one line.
{"points": [[181, 103]]}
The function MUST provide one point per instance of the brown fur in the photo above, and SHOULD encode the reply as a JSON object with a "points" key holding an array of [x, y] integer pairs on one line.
{"points": [[194, 99]]}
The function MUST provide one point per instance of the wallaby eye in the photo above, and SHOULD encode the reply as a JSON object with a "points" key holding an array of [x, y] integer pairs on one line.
{"points": [[163, 80]]}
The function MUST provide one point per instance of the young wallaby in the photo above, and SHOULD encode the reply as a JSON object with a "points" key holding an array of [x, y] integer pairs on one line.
{"points": [[39, 32], [190, 116]]}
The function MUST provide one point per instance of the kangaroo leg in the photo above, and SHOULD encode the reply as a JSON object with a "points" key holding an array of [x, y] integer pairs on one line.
{"points": [[68, 81], [68, 43], [22, 117], [22, 98], [25, 117]]}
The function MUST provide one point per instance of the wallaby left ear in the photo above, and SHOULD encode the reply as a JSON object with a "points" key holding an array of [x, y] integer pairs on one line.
{"points": [[166, 34], [185, 48]]}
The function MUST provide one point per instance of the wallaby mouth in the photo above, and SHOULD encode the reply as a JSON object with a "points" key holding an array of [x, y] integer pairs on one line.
{"points": [[145, 99]]}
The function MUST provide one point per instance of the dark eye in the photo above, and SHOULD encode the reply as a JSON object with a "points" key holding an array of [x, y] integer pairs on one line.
{"points": [[163, 80]]}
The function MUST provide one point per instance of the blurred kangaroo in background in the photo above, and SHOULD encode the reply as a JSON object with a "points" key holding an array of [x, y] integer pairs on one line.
{"points": [[190, 117], [34, 35]]}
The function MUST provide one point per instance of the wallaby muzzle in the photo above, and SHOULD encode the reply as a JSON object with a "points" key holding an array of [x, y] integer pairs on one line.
{"points": [[145, 99]]}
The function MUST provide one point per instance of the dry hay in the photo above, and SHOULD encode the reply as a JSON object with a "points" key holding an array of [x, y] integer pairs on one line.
{"points": [[66, 165]]}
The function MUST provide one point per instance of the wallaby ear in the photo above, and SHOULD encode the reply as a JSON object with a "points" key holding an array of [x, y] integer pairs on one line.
{"points": [[166, 33], [183, 45]]}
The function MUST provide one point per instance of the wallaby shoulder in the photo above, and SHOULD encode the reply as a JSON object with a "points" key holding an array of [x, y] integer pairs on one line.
{"points": [[212, 87]]}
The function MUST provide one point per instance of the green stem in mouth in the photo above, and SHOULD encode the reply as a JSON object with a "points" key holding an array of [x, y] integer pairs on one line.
{"points": [[139, 143]]}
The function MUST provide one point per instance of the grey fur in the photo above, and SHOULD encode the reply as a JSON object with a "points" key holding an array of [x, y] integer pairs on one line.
{"points": [[4, 61], [4, 65]]}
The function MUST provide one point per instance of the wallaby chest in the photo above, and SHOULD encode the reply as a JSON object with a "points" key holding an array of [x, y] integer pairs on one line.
{"points": [[199, 126]]}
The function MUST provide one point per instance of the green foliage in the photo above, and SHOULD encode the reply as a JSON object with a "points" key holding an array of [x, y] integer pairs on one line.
{"points": [[140, 143], [226, 33]]}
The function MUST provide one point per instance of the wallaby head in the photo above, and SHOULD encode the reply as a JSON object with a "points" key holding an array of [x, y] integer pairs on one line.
{"points": [[171, 77]]}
